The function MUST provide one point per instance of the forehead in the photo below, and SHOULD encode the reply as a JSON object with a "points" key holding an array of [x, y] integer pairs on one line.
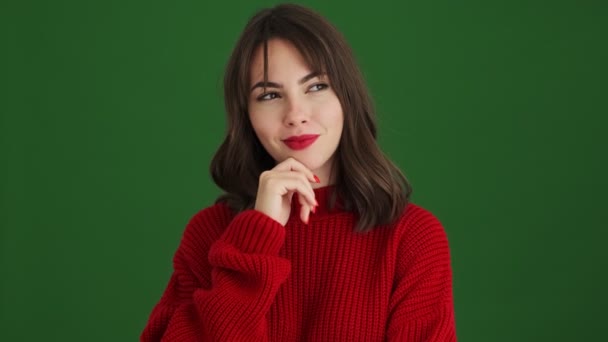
{"points": [[283, 59]]}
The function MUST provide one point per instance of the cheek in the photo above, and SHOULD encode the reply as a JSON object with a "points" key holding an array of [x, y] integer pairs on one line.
{"points": [[334, 116], [262, 127], [267, 116], [255, 124]]}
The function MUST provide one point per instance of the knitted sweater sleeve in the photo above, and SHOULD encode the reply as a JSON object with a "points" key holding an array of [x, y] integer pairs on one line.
{"points": [[421, 305], [223, 293]]}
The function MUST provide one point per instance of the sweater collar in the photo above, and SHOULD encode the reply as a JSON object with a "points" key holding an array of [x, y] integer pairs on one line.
{"points": [[324, 196]]}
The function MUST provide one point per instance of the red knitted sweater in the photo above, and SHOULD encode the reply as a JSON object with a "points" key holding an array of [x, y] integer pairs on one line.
{"points": [[245, 277]]}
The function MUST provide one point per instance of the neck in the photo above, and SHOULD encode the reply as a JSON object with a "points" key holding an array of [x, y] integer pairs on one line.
{"points": [[326, 177]]}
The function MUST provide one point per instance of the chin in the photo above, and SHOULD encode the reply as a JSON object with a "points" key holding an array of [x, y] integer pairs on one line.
{"points": [[311, 163]]}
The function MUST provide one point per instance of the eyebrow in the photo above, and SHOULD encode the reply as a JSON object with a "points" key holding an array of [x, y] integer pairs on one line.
{"points": [[304, 79]]}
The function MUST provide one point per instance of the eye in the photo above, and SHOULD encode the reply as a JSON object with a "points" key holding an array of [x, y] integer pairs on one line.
{"points": [[267, 96], [318, 87]]}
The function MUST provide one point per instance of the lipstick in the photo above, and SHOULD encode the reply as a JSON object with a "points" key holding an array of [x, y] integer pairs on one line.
{"points": [[300, 142]]}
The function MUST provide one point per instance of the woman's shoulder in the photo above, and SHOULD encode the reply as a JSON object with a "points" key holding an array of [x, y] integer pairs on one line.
{"points": [[417, 222], [415, 213], [213, 215], [206, 225]]}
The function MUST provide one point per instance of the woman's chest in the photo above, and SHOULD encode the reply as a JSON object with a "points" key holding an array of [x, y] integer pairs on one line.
{"points": [[338, 289]]}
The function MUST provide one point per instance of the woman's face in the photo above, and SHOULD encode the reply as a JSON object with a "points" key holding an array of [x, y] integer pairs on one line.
{"points": [[298, 114]]}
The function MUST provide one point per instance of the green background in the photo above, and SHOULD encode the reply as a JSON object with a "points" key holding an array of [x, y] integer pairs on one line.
{"points": [[111, 111]]}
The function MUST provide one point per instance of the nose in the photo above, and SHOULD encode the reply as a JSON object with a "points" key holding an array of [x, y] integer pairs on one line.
{"points": [[296, 113]]}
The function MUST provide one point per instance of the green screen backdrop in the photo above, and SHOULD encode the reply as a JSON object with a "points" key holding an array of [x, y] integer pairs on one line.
{"points": [[111, 111]]}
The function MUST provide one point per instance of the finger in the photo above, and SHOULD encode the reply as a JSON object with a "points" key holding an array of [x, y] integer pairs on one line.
{"points": [[286, 182], [305, 213], [295, 181], [291, 164], [307, 193]]}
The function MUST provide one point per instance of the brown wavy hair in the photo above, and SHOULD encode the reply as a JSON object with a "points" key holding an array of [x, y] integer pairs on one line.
{"points": [[367, 182]]}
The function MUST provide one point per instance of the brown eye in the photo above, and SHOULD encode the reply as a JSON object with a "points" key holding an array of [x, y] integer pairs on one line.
{"points": [[318, 87], [267, 96]]}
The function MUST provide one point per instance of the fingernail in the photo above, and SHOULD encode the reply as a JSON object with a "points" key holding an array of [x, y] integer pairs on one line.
{"points": [[313, 209], [317, 179]]}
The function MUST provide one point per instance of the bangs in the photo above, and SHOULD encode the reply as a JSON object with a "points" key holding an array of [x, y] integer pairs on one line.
{"points": [[311, 46]]}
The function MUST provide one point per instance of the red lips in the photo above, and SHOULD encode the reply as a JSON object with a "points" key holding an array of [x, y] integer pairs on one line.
{"points": [[300, 142]]}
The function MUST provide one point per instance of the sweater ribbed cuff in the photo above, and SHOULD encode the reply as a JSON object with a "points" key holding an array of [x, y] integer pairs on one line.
{"points": [[253, 232]]}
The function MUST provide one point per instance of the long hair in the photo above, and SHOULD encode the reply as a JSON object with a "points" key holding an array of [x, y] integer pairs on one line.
{"points": [[367, 182]]}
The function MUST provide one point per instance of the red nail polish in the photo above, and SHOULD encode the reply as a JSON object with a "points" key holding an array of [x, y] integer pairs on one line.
{"points": [[317, 179]]}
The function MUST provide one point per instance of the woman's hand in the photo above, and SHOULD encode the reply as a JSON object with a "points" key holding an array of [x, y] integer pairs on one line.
{"points": [[277, 187]]}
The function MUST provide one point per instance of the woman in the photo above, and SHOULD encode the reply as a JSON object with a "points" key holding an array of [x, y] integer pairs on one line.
{"points": [[315, 238]]}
